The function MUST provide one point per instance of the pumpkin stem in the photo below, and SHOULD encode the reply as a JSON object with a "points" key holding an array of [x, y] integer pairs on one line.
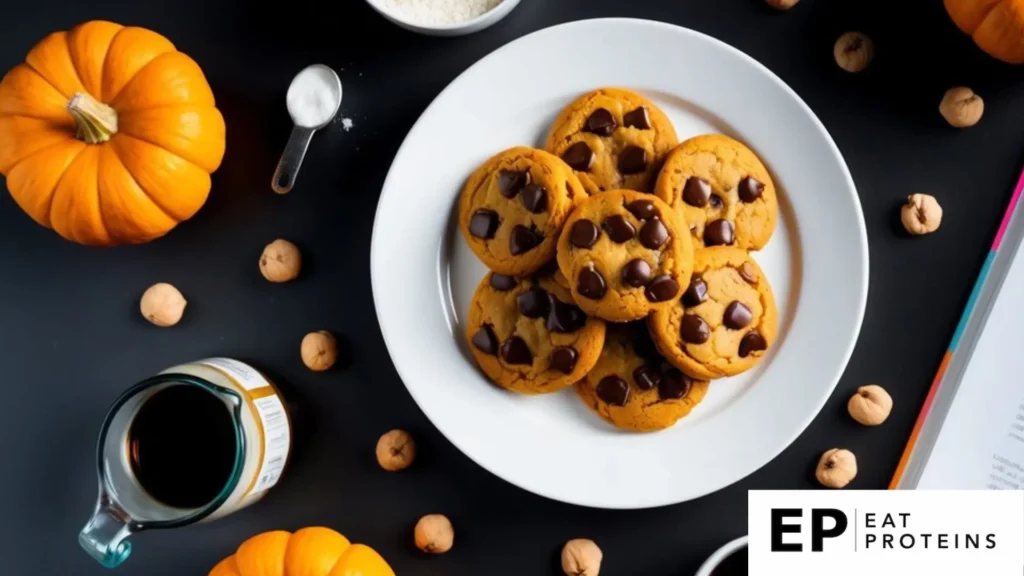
{"points": [[96, 121]]}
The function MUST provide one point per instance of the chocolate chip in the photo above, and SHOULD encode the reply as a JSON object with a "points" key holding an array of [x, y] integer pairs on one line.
{"points": [[511, 182], [515, 351], [750, 189], [748, 273], [636, 273], [654, 234], [579, 156], [632, 160], [694, 329], [485, 340], [696, 192], [584, 234], [613, 390], [533, 303], [737, 316], [662, 288], [502, 283], [535, 198], [637, 119], [752, 342], [563, 359], [718, 233], [696, 292], [674, 385], [590, 284], [646, 378], [601, 122], [522, 240], [564, 318], [716, 202], [483, 224], [642, 209], [619, 229]]}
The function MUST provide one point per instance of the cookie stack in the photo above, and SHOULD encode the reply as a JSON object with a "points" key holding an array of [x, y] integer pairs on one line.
{"points": [[620, 262]]}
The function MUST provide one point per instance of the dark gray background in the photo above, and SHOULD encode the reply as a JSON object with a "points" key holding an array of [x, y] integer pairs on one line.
{"points": [[71, 337]]}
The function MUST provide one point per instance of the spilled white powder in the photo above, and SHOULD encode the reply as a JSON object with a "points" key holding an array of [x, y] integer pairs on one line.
{"points": [[313, 97], [439, 12]]}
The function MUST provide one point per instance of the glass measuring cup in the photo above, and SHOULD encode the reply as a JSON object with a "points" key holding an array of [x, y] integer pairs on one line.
{"points": [[262, 440]]}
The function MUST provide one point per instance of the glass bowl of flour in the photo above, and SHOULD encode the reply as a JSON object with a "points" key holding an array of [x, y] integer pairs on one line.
{"points": [[444, 17]]}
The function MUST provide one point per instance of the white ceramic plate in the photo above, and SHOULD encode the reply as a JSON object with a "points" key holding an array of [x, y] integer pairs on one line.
{"points": [[424, 274]]}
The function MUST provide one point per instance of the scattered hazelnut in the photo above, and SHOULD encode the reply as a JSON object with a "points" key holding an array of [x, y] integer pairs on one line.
{"points": [[162, 304], [921, 214], [434, 534], [854, 51], [281, 261], [961, 107], [581, 557], [782, 4], [319, 350], [870, 405], [836, 468], [396, 450]]}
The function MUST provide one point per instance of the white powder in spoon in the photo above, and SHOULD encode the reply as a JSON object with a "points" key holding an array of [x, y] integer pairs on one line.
{"points": [[313, 97], [439, 12]]}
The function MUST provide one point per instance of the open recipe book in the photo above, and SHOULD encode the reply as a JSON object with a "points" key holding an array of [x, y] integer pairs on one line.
{"points": [[970, 434]]}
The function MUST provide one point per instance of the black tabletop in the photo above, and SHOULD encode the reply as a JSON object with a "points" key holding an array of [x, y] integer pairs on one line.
{"points": [[71, 337]]}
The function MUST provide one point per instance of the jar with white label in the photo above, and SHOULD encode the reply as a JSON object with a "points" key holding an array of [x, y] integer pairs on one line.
{"points": [[192, 444]]}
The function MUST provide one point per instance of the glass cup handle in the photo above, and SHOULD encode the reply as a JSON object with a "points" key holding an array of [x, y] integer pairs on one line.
{"points": [[104, 536]]}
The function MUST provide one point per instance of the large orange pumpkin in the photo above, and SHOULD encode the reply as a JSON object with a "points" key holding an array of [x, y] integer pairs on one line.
{"points": [[108, 134], [997, 26], [308, 552]]}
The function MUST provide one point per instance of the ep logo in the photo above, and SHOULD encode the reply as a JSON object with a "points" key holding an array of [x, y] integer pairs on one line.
{"points": [[787, 528]]}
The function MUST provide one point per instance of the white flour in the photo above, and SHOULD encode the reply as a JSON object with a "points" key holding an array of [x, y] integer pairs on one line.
{"points": [[439, 12]]}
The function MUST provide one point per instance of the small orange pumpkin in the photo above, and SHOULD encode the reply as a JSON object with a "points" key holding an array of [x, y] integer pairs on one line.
{"points": [[997, 26], [108, 134], [308, 552]]}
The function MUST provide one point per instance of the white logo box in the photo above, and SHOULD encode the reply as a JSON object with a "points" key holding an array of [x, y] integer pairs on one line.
{"points": [[962, 532]]}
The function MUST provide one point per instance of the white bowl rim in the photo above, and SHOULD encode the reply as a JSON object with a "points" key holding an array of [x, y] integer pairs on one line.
{"points": [[721, 554], [378, 5]]}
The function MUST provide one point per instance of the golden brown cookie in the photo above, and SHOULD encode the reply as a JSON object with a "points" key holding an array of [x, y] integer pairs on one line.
{"points": [[722, 190], [634, 388], [725, 320], [624, 253], [528, 336], [512, 208], [614, 139]]}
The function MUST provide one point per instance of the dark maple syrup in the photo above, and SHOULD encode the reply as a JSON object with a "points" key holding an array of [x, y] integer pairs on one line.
{"points": [[181, 446]]}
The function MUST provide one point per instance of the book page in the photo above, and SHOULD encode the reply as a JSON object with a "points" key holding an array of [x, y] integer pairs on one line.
{"points": [[981, 444]]}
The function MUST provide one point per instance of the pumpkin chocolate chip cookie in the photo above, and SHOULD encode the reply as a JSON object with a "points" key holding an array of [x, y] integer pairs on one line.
{"points": [[528, 337], [513, 206], [624, 253], [722, 190], [634, 388], [613, 139], [725, 320]]}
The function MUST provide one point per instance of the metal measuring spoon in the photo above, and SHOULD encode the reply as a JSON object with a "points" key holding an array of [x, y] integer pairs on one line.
{"points": [[305, 127]]}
